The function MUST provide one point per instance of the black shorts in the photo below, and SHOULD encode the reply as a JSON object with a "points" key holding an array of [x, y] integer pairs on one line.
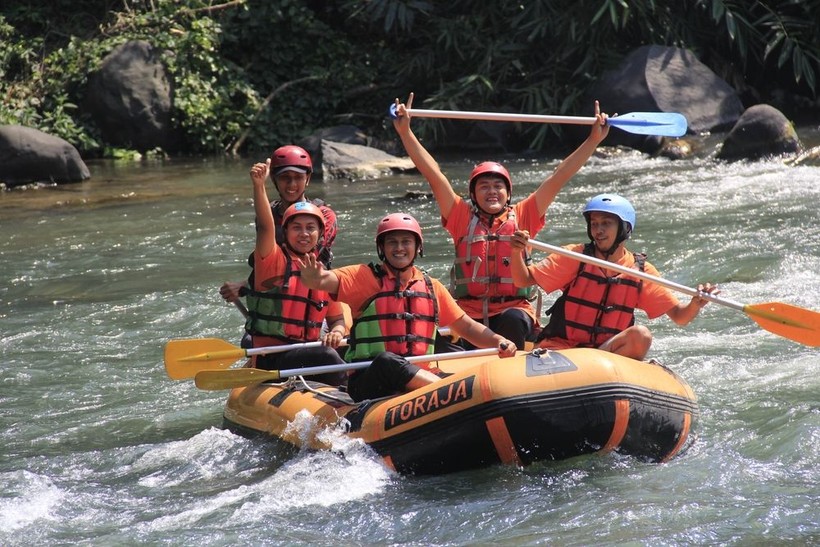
{"points": [[388, 374], [306, 357]]}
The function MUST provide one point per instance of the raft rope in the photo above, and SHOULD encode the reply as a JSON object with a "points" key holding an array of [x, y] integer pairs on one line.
{"points": [[294, 382]]}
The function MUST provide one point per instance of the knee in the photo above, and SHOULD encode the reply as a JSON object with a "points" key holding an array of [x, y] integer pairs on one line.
{"points": [[328, 355], [640, 338], [633, 342], [513, 324]]}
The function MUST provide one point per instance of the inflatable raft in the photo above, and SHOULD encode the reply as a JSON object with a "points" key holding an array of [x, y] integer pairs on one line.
{"points": [[535, 406]]}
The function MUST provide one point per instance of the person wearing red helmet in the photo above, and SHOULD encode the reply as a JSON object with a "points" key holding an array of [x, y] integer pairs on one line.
{"points": [[597, 307], [481, 230], [396, 310], [290, 168], [282, 309]]}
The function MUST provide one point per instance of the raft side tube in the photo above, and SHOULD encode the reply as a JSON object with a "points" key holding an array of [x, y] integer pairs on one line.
{"points": [[515, 411]]}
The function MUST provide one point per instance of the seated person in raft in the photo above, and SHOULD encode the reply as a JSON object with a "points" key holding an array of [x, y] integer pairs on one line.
{"points": [[281, 308], [396, 310], [290, 170], [596, 308]]}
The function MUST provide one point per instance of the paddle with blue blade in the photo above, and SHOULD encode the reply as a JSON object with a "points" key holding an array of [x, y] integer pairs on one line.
{"points": [[663, 124], [239, 377], [792, 322]]}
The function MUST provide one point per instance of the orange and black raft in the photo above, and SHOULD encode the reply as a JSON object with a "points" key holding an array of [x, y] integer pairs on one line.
{"points": [[535, 406]]}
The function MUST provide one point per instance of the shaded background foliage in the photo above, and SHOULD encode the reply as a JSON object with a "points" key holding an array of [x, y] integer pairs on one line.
{"points": [[251, 74]]}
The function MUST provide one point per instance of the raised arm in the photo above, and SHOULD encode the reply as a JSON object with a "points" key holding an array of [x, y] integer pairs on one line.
{"points": [[265, 227], [549, 188], [424, 162]]}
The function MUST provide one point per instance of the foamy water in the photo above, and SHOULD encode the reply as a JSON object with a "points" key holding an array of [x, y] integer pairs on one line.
{"points": [[98, 446]]}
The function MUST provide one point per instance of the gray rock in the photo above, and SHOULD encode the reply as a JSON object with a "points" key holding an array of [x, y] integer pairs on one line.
{"points": [[762, 131], [666, 79], [347, 134], [354, 161], [130, 98], [28, 155]]}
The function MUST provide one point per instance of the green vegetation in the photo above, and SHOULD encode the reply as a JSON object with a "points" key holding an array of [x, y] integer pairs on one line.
{"points": [[253, 74]]}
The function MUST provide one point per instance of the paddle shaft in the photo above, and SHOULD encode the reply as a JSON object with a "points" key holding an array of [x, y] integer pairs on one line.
{"points": [[238, 377], [636, 273], [265, 350], [322, 369], [500, 116], [241, 307]]}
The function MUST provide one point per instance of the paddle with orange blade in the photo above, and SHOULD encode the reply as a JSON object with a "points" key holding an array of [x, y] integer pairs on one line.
{"points": [[792, 322], [185, 357]]}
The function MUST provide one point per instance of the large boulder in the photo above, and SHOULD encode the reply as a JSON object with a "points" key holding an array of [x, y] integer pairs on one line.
{"points": [[354, 161], [130, 98], [666, 79], [347, 134], [762, 131], [28, 155]]}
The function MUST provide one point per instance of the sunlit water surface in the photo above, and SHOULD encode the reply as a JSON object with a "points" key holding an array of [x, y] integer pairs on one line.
{"points": [[98, 446]]}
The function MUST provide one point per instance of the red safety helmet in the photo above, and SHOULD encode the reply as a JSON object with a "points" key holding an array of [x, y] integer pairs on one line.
{"points": [[291, 156], [491, 168], [395, 222], [304, 208]]}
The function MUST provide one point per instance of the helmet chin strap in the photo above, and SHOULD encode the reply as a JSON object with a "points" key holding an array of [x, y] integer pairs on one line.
{"points": [[623, 235]]}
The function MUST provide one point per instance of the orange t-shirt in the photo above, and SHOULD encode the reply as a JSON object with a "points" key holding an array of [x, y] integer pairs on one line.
{"points": [[358, 284], [270, 272], [557, 271], [458, 223]]}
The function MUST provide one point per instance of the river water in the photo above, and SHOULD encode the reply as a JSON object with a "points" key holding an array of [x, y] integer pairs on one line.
{"points": [[99, 447]]}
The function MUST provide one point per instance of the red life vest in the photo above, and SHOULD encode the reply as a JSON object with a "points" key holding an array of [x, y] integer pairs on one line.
{"points": [[482, 268], [289, 311], [400, 321], [593, 307]]}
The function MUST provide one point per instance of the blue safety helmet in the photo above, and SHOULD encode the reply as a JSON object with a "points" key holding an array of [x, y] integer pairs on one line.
{"points": [[615, 205]]}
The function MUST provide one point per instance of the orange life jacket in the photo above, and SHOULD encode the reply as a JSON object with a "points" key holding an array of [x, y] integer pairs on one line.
{"points": [[593, 308], [482, 268], [289, 311], [400, 321]]}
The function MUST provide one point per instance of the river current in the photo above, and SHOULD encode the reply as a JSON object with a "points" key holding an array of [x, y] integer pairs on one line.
{"points": [[99, 447]]}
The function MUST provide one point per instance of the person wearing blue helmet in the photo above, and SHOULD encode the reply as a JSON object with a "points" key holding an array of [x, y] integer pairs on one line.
{"points": [[597, 307]]}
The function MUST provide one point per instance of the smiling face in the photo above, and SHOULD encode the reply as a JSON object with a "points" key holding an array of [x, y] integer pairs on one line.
{"points": [[399, 248], [291, 186], [604, 229], [302, 233], [490, 194]]}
